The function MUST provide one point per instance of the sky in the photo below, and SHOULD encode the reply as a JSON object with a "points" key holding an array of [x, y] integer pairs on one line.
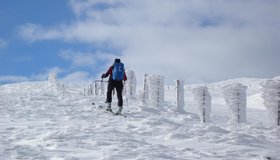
{"points": [[198, 41]]}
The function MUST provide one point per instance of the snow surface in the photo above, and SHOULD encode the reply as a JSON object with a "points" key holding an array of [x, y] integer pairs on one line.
{"points": [[39, 122]]}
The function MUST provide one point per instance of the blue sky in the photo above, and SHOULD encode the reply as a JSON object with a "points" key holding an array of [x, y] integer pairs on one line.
{"points": [[198, 41], [21, 58]]}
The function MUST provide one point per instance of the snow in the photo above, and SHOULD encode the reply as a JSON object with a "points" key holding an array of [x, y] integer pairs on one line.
{"points": [[40, 121]]}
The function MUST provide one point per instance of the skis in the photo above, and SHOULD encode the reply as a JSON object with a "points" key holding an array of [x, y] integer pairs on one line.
{"points": [[100, 107]]}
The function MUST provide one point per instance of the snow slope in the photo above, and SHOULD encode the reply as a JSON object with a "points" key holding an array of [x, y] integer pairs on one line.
{"points": [[39, 122]]}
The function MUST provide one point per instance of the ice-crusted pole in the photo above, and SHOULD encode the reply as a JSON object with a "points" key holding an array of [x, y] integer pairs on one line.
{"points": [[180, 94], [102, 87], [90, 89], [95, 88], [145, 95], [156, 90], [130, 84], [203, 103], [278, 110], [52, 78], [271, 96], [235, 97]]}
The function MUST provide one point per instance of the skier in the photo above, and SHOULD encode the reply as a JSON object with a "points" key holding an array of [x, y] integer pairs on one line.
{"points": [[117, 76]]}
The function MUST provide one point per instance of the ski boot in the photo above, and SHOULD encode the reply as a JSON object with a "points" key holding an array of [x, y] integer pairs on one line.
{"points": [[119, 112], [109, 109]]}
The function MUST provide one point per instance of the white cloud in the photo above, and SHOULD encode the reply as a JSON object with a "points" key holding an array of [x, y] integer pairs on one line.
{"points": [[13, 79], [33, 32], [77, 77], [184, 39], [86, 59], [3, 43]]}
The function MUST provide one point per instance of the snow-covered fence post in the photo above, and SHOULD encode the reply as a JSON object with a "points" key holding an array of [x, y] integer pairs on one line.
{"points": [[180, 94], [84, 88], [278, 110], [52, 77], [130, 85], [102, 87], [145, 89], [235, 97], [52, 80], [203, 103], [96, 88], [89, 90], [63, 88], [156, 90], [278, 106], [271, 96]]}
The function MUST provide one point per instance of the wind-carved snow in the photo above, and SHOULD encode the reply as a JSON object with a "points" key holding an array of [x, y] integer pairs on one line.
{"points": [[39, 121]]}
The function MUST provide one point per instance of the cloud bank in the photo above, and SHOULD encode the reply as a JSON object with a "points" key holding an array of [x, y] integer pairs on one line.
{"points": [[195, 40], [85, 59]]}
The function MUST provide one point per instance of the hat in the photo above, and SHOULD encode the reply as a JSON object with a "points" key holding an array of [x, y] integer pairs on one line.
{"points": [[117, 60]]}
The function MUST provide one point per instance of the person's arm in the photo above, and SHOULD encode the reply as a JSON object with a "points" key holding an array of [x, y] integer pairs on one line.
{"points": [[107, 73], [124, 78]]}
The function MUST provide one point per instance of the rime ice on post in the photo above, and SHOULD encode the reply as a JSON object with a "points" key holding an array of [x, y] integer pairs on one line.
{"points": [[156, 90], [203, 103], [130, 85], [271, 96], [180, 94], [144, 96], [52, 77], [54, 83], [90, 90], [102, 88], [96, 88], [235, 97]]}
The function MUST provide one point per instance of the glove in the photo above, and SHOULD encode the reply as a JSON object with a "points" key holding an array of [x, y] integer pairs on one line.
{"points": [[103, 76]]}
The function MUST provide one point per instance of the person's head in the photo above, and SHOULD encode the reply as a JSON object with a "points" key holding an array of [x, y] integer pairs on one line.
{"points": [[117, 60]]}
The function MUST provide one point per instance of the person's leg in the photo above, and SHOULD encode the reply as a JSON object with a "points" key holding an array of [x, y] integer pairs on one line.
{"points": [[109, 95], [119, 88]]}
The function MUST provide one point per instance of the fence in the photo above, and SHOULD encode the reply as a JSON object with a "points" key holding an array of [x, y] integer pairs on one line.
{"points": [[234, 95], [97, 87]]}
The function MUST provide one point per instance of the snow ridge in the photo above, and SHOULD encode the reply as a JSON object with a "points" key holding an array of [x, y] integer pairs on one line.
{"points": [[38, 121]]}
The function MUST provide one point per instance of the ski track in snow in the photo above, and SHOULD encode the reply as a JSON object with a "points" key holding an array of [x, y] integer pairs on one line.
{"points": [[38, 122]]}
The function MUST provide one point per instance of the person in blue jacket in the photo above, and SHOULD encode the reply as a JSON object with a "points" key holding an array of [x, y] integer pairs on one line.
{"points": [[114, 71]]}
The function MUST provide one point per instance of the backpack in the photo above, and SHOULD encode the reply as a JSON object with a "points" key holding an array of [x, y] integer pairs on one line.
{"points": [[118, 72]]}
